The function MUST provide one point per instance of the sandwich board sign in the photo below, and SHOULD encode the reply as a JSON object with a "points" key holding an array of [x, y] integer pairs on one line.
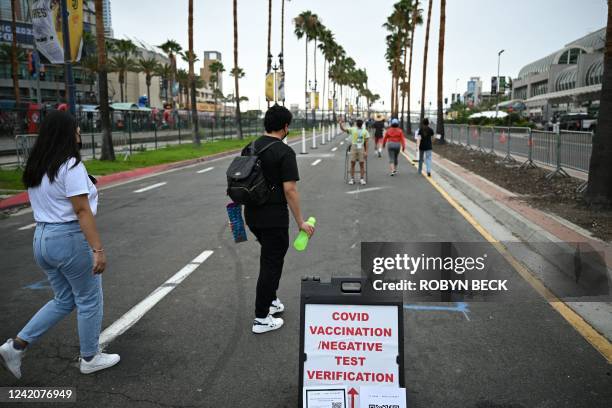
{"points": [[350, 337]]}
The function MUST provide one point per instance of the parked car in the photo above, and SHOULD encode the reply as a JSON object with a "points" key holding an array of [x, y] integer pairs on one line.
{"points": [[578, 122]]}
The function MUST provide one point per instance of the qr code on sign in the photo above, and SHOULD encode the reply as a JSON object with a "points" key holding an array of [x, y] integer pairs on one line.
{"points": [[383, 406]]}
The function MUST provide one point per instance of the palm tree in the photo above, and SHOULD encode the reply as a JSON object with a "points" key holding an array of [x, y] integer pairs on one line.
{"points": [[440, 122], [149, 67], [164, 71], [171, 48], [216, 69], [425, 60], [237, 70], [89, 65], [192, 82], [182, 78], [417, 19], [599, 190], [108, 153], [305, 24], [326, 45], [123, 61], [14, 60], [122, 65]]}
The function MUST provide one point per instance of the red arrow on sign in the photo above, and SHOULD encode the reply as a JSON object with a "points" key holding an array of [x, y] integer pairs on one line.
{"points": [[352, 392]]}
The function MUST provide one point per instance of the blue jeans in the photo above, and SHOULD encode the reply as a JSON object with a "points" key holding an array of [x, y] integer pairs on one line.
{"points": [[63, 253], [427, 155]]}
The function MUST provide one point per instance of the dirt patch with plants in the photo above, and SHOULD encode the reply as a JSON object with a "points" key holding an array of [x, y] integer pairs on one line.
{"points": [[558, 195]]}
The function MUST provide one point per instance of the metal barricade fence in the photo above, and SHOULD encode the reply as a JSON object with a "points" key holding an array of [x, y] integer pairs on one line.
{"points": [[23, 147], [566, 149]]}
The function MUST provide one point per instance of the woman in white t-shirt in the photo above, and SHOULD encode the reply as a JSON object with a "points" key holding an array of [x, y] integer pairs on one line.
{"points": [[67, 245]]}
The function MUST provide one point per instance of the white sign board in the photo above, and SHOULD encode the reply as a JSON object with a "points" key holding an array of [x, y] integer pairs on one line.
{"points": [[325, 397], [351, 345], [382, 397]]}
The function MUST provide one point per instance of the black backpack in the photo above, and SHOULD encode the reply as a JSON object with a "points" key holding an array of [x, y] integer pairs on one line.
{"points": [[246, 183]]}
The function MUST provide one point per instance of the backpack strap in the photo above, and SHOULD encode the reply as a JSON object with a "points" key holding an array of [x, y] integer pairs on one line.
{"points": [[254, 152]]}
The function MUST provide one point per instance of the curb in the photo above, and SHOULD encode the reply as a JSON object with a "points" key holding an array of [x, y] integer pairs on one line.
{"points": [[22, 198]]}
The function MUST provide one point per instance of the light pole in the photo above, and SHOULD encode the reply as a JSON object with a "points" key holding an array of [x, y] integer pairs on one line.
{"points": [[497, 90]]}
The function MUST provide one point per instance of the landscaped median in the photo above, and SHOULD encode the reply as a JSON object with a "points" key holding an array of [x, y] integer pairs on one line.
{"points": [[137, 165]]}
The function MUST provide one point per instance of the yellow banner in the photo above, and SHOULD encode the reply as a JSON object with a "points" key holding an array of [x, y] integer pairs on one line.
{"points": [[330, 104], [75, 27], [316, 100], [270, 87]]}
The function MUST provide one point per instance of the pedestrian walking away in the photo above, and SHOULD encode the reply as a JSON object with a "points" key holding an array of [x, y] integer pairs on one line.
{"points": [[269, 222], [379, 128], [67, 246], [359, 148], [395, 141], [424, 140]]}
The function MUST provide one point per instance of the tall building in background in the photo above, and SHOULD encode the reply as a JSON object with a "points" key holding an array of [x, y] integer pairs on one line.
{"points": [[209, 58], [108, 21]]}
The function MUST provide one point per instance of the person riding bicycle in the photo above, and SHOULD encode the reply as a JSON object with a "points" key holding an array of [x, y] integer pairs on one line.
{"points": [[359, 148]]}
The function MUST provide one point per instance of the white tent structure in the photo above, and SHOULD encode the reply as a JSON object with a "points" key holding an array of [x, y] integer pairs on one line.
{"points": [[488, 114]]}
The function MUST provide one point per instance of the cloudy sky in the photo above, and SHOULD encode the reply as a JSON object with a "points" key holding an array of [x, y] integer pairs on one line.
{"points": [[476, 30]]}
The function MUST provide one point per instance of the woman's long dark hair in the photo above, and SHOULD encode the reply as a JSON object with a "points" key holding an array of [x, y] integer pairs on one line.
{"points": [[55, 144]]}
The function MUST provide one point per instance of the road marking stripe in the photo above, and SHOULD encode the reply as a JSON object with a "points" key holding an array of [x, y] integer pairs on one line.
{"points": [[341, 143], [206, 170], [26, 227], [334, 149], [365, 190], [151, 187], [597, 340], [314, 163], [130, 318]]}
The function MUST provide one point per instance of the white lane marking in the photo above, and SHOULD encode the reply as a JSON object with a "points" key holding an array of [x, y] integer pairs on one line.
{"points": [[26, 227], [137, 312], [341, 143], [314, 163], [365, 190], [334, 149], [151, 187], [206, 170]]}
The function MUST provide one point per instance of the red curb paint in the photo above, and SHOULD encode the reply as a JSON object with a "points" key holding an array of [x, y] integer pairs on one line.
{"points": [[24, 199]]}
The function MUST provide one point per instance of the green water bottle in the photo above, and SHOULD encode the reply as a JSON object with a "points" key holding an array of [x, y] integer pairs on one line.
{"points": [[301, 241]]}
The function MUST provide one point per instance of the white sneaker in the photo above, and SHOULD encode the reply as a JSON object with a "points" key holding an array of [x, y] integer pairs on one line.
{"points": [[99, 362], [10, 358], [276, 307], [362, 182], [268, 324], [351, 182]]}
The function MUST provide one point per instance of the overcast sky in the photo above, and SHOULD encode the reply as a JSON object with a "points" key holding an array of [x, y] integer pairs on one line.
{"points": [[475, 31]]}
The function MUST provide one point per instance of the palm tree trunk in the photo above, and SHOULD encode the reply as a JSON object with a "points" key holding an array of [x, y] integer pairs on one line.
{"points": [[306, 84], [414, 18], [149, 92], [121, 82], [324, 97], [14, 62], [440, 122], [194, 109], [108, 153], [403, 79], [236, 77], [425, 61], [599, 190], [269, 56], [314, 65]]}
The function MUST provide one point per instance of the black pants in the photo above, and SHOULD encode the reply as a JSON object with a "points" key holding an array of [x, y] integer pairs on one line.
{"points": [[274, 244]]}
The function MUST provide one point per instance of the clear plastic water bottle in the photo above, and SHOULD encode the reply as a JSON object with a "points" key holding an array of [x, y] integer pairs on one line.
{"points": [[301, 242]]}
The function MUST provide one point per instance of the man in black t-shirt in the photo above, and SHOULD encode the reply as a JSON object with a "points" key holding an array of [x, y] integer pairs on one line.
{"points": [[379, 128], [269, 222], [425, 146]]}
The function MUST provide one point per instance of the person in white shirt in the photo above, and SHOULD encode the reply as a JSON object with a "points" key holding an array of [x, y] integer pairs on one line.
{"points": [[67, 246]]}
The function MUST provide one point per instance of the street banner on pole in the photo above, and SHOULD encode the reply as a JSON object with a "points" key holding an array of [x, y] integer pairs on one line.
{"points": [[280, 86], [315, 99], [47, 29], [270, 87]]}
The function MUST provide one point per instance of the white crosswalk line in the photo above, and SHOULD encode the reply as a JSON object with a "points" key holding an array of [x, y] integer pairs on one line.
{"points": [[151, 187], [314, 163], [206, 170], [137, 312], [27, 227], [334, 149]]}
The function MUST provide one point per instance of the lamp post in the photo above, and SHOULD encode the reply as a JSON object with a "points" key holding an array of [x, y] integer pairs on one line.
{"points": [[497, 90]]}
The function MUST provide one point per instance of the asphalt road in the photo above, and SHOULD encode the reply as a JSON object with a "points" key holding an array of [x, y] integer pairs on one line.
{"points": [[195, 347]]}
